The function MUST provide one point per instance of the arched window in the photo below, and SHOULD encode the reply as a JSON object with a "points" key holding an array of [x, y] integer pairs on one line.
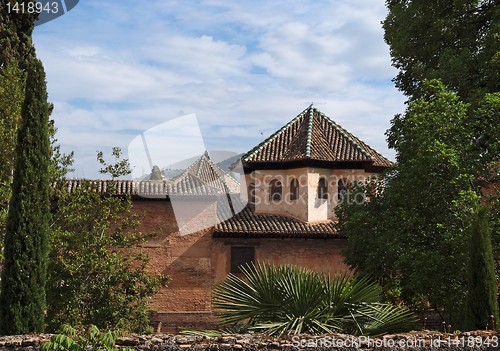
{"points": [[251, 194], [294, 189], [275, 190], [322, 188], [342, 188]]}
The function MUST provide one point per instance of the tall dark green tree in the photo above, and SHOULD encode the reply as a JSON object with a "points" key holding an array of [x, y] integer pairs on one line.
{"points": [[11, 101], [24, 274], [15, 53], [447, 144], [417, 232], [15, 34], [455, 41], [482, 296]]}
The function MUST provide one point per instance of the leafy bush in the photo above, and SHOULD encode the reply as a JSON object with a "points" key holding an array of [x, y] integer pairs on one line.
{"points": [[91, 339], [95, 274], [288, 299]]}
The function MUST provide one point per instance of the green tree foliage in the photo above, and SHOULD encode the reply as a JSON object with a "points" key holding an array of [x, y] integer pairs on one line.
{"points": [[15, 33], [416, 232], [71, 339], [483, 156], [482, 295], [119, 168], [120, 286], [368, 228], [413, 235], [11, 99], [493, 201], [156, 173], [92, 278], [22, 297], [455, 41], [484, 136], [280, 300], [15, 53]]}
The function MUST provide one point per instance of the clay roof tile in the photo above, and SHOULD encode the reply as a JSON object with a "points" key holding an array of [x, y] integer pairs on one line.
{"points": [[312, 135], [248, 224]]}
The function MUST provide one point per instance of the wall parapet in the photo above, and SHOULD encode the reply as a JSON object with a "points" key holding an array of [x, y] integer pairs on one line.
{"points": [[418, 341]]}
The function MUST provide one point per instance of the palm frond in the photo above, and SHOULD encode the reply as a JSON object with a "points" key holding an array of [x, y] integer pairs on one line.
{"points": [[288, 299]]}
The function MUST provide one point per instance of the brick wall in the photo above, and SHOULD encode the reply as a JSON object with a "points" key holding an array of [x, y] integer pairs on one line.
{"points": [[195, 262]]}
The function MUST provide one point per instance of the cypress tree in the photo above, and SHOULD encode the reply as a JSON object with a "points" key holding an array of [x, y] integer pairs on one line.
{"points": [[482, 284], [15, 33], [15, 53], [155, 173], [22, 297]]}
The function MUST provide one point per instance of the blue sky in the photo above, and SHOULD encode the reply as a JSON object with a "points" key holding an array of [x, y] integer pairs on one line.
{"points": [[245, 68]]}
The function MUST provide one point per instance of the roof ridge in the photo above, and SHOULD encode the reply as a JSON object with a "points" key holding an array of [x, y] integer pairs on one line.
{"points": [[373, 150], [196, 170], [225, 173], [273, 136], [217, 170], [195, 164], [187, 169], [309, 131], [200, 164]]}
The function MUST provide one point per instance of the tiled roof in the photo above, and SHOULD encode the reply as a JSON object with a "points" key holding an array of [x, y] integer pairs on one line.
{"points": [[210, 174], [202, 178], [247, 224], [189, 184], [121, 187], [312, 136]]}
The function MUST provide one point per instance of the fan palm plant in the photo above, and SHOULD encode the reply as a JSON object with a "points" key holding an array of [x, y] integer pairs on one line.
{"points": [[288, 299]]}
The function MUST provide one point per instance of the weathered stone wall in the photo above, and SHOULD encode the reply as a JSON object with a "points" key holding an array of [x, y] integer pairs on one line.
{"points": [[480, 341]]}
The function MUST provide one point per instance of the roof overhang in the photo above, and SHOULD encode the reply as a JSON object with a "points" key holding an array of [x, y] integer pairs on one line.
{"points": [[368, 166]]}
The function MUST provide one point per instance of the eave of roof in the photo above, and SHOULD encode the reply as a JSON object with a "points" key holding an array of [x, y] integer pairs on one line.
{"points": [[188, 186]]}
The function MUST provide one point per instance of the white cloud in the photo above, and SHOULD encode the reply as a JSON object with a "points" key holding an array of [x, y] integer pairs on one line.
{"points": [[245, 68]]}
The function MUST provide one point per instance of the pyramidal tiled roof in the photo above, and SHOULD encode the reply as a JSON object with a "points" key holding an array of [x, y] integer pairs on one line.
{"points": [[202, 178], [190, 184], [210, 174], [312, 136]]}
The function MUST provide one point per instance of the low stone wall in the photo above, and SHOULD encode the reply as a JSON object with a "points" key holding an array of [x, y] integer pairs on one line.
{"points": [[484, 341], [173, 322]]}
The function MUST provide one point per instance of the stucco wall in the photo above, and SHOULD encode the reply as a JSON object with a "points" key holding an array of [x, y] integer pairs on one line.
{"points": [[308, 208], [264, 205]]}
